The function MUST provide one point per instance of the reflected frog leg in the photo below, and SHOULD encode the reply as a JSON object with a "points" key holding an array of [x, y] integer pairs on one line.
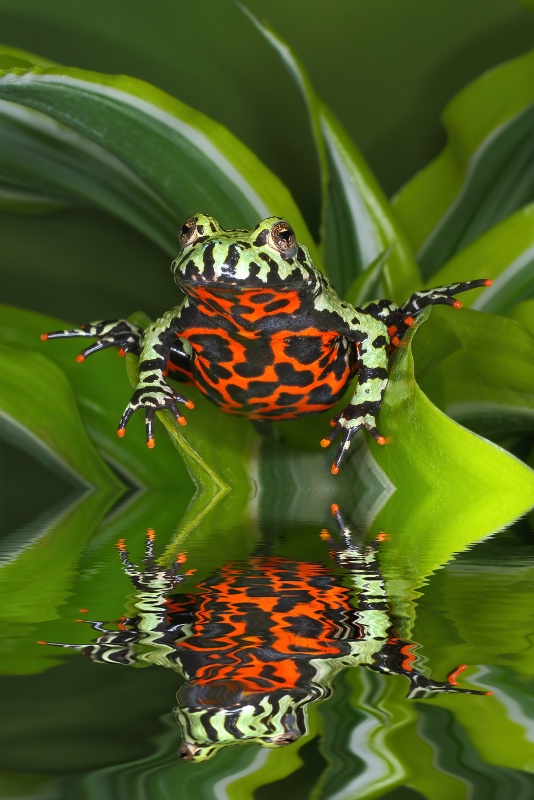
{"points": [[377, 648], [159, 620]]}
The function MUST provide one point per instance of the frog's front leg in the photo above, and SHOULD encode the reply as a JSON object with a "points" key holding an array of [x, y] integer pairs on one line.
{"points": [[109, 333], [372, 341], [152, 392], [441, 295]]}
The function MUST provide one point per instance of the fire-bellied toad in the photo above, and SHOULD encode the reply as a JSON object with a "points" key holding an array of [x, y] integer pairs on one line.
{"points": [[262, 333]]}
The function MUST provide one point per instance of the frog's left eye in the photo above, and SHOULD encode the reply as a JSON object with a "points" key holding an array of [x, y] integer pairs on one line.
{"points": [[189, 232], [282, 238]]}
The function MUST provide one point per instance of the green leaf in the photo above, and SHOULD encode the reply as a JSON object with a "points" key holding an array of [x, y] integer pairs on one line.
{"points": [[366, 286], [38, 580], [357, 221], [506, 254], [524, 314], [119, 144], [485, 172], [467, 486], [476, 368], [14, 57], [38, 412], [101, 389]]}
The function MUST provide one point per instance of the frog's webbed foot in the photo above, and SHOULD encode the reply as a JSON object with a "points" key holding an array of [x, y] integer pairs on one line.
{"points": [[347, 423], [153, 394], [109, 333], [440, 295], [153, 576], [399, 319]]}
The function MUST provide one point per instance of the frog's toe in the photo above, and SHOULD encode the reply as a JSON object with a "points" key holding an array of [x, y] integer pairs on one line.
{"points": [[149, 427], [102, 344], [67, 333], [377, 436], [121, 430], [343, 450], [347, 435]]}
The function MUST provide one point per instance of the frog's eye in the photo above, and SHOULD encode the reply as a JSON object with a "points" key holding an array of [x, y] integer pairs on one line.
{"points": [[282, 238], [189, 232]]}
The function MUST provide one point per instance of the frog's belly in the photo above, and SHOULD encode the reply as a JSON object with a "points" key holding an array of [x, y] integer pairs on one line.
{"points": [[284, 376]]}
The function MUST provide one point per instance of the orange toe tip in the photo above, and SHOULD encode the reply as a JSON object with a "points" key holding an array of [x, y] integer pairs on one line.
{"points": [[151, 443], [181, 421], [334, 470], [151, 533], [383, 537], [334, 508], [325, 442], [381, 440], [333, 423], [324, 534], [80, 359], [41, 642], [487, 282], [457, 304], [44, 337], [189, 404], [121, 432], [122, 352], [488, 694]]}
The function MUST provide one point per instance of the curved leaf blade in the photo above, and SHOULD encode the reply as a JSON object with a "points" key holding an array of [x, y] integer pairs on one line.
{"points": [[134, 134], [101, 389], [357, 221], [480, 379], [506, 254], [485, 172], [450, 482], [39, 412]]}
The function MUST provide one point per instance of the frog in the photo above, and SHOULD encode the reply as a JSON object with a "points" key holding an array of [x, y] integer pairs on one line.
{"points": [[262, 333], [259, 640]]}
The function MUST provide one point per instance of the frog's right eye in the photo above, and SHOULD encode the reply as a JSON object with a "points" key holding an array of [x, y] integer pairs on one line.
{"points": [[282, 237], [189, 232]]}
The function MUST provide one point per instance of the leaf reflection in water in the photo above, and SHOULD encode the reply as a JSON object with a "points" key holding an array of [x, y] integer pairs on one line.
{"points": [[261, 640]]}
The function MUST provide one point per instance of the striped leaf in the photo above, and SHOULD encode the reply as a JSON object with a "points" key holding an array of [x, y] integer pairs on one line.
{"points": [[484, 174], [38, 412], [120, 144], [477, 369], [357, 221], [506, 254]]}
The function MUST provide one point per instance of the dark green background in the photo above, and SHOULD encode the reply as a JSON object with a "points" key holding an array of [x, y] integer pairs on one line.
{"points": [[387, 68]]}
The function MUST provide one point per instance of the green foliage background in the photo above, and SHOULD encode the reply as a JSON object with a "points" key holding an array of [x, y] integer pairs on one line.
{"points": [[387, 70], [447, 216]]}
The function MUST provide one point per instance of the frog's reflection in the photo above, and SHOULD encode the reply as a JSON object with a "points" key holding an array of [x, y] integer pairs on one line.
{"points": [[261, 640]]}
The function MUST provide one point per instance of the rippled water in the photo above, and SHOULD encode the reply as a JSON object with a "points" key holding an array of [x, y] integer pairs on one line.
{"points": [[312, 657]]}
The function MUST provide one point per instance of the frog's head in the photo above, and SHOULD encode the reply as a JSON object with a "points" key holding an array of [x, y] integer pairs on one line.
{"points": [[234, 260], [219, 714]]}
